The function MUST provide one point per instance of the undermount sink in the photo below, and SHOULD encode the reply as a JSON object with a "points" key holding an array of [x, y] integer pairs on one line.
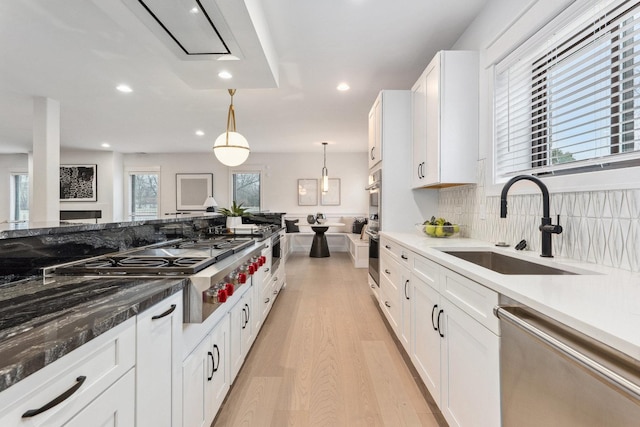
{"points": [[505, 264]]}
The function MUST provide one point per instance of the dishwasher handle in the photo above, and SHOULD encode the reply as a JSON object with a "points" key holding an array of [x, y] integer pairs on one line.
{"points": [[594, 366]]}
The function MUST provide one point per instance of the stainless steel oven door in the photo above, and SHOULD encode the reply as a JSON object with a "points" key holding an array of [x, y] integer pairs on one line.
{"points": [[374, 257]]}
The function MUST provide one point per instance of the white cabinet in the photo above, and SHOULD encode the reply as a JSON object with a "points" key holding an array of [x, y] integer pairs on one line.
{"points": [[445, 121], [206, 377], [98, 378], [445, 322], [158, 375], [470, 370], [395, 284], [425, 353], [241, 336], [375, 132], [115, 407]]}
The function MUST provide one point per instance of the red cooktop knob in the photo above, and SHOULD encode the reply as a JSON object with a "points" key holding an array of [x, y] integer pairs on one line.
{"points": [[252, 269], [222, 295], [242, 278], [229, 286]]}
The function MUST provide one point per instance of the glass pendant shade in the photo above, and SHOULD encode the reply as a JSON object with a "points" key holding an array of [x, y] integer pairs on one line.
{"points": [[231, 148], [325, 172], [233, 153]]}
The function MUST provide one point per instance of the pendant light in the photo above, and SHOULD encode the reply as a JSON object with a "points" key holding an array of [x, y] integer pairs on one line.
{"points": [[325, 172], [231, 148]]}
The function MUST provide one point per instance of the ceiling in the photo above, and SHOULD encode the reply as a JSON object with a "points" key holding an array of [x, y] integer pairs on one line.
{"points": [[291, 54]]}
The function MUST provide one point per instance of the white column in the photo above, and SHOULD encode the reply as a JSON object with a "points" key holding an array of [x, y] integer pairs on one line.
{"points": [[44, 178]]}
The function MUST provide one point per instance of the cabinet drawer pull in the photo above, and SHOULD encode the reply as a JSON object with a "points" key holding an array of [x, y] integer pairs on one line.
{"points": [[266, 300], [216, 367], [387, 246], [58, 400], [275, 292], [433, 310], [165, 314], [404, 257], [386, 270], [439, 331], [244, 318], [213, 365], [387, 304], [266, 269]]}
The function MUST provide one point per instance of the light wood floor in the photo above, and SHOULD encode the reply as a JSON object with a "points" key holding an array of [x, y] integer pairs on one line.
{"points": [[324, 357]]}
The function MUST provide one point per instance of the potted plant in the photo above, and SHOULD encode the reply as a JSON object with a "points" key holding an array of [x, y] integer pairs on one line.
{"points": [[234, 214]]}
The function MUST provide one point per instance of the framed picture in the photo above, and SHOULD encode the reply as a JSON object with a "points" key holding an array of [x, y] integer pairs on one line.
{"points": [[78, 183], [331, 197], [192, 189], [307, 192]]}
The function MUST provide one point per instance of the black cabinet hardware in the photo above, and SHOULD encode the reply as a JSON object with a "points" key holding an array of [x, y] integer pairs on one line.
{"points": [[213, 365], [58, 400], [404, 257], [165, 314], [440, 331], [387, 304], [405, 289], [433, 323]]}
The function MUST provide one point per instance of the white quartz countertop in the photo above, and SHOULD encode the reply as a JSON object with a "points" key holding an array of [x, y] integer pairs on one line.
{"points": [[601, 302]]}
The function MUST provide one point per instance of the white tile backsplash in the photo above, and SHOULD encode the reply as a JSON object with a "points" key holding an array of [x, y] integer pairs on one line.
{"points": [[600, 227]]}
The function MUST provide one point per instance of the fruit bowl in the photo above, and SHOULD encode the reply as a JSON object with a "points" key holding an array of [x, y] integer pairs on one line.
{"points": [[441, 230]]}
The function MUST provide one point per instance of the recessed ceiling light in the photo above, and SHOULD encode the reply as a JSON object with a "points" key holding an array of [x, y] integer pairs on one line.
{"points": [[343, 86], [224, 75], [199, 132], [105, 145], [124, 88], [194, 10]]}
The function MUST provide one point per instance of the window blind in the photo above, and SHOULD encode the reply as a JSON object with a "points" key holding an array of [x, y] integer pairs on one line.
{"points": [[571, 99]]}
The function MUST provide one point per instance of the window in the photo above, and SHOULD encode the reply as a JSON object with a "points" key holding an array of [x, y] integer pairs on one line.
{"points": [[246, 189], [19, 197], [144, 190], [570, 103]]}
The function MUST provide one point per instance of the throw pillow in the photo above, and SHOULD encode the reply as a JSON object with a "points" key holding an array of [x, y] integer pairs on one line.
{"points": [[292, 225], [358, 223]]}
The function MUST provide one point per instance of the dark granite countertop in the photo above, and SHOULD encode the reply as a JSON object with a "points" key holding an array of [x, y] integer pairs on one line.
{"points": [[41, 322], [28, 229]]}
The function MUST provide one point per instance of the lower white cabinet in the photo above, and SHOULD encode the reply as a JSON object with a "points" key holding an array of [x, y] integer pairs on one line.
{"points": [[98, 377], [241, 336], [425, 345], [158, 357], [444, 321], [470, 370], [115, 407], [206, 377]]}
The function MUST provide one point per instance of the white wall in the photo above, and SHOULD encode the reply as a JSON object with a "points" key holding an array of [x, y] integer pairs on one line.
{"points": [[281, 172]]}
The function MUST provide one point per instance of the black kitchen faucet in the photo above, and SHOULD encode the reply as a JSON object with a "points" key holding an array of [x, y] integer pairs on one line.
{"points": [[546, 228]]}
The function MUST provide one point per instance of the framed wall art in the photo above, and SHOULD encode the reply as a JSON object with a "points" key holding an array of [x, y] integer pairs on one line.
{"points": [[331, 197], [78, 183], [192, 189], [307, 192]]}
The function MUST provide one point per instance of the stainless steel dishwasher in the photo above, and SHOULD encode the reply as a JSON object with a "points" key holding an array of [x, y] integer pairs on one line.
{"points": [[551, 375]]}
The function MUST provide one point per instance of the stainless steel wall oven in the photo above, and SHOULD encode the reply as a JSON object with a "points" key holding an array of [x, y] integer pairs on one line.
{"points": [[373, 226]]}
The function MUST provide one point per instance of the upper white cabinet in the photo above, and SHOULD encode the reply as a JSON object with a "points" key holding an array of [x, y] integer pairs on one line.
{"points": [[375, 132], [445, 121]]}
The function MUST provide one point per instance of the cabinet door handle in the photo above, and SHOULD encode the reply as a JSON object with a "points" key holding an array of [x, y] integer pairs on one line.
{"points": [[420, 171], [248, 313], [58, 400], [216, 367], [387, 304], [386, 270], [439, 331], [404, 257], [266, 300], [387, 246], [372, 156], [244, 318], [405, 289], [213, 365], [267, 269], [165, 314], [433, 310], [372, 286]]}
